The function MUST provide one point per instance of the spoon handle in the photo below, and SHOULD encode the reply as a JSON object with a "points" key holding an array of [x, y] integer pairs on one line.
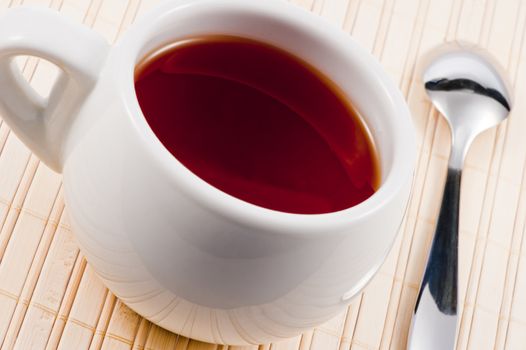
{"points": [[435, 316]]}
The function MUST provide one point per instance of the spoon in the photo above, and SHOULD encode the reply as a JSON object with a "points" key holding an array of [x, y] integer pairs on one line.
{"points": [[469, 92]]}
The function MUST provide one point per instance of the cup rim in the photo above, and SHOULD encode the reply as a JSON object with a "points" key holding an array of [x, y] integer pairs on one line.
{"points": [[248, 214]]}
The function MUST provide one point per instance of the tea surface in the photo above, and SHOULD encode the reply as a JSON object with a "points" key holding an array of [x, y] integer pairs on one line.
{"points": [[258, 123]]}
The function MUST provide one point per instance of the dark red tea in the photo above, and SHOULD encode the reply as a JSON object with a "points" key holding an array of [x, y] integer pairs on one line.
{"points": [[258, 123]]}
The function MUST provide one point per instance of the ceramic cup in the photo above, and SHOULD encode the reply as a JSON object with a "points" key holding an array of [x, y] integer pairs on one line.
{"points": [[180, 252]]}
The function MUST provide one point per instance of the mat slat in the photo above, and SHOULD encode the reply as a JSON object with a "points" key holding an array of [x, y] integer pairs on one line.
{"points": [[49, 291]]}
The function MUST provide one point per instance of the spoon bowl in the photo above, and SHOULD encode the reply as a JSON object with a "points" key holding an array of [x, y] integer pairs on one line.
{"points": [[470, 93]]}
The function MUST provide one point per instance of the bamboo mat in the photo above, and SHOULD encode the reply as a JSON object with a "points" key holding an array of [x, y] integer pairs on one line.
{"points": [[50, 298]]}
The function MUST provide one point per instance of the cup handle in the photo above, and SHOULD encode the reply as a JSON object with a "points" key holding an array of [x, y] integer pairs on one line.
{"points": [[43, 123]]}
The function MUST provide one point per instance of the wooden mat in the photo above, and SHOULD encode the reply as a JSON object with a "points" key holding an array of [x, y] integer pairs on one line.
{"points": [[50, 298]]}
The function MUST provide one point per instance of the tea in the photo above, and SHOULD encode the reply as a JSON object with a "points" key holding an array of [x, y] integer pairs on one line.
{"points": [[258, 123]]}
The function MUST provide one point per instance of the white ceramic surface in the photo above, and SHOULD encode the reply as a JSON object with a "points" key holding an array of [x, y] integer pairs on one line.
{"points": [[175, 249]]}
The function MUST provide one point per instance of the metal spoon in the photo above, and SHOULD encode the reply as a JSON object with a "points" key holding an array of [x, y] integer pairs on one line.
{"points": [[466, 88]]}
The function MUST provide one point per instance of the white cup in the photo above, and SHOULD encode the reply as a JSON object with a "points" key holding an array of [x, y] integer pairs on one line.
{"points": [[180, 252]]}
